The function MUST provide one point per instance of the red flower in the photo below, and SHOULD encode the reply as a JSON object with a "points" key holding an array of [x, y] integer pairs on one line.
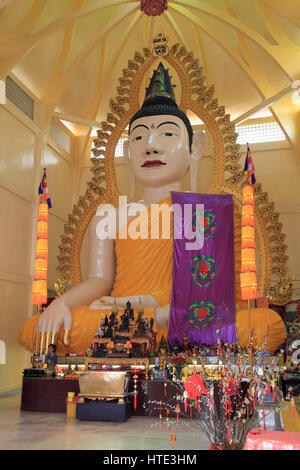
{"points": [[203, 268], [201, 312]]}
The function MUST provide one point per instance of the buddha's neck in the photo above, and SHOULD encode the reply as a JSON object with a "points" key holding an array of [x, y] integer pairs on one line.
{"points": [[155, 195]]}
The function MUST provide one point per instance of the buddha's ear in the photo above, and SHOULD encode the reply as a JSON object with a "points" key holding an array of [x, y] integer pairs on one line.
{"points": [[198, 148], [129, 168]]}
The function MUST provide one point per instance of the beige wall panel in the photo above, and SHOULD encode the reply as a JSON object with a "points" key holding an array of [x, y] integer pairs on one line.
{"points": [[14, 302], [60, 181], [16, 216], [16, 155]]}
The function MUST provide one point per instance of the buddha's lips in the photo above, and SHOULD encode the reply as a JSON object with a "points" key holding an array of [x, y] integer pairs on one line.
{"points": [[150, 163]]}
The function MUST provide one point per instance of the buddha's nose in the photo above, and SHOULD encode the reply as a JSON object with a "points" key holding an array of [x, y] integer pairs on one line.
{"points": [[152, 146]]}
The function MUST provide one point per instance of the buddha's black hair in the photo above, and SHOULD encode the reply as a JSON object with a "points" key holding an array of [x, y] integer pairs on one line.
{"points": [[163, 105]]}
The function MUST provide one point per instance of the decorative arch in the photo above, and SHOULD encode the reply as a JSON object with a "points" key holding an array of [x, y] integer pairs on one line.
{"points": [[228, 175]]}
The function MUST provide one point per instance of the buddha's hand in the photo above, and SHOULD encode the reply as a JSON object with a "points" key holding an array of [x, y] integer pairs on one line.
{"points": [[53, 317], [147, 301]]}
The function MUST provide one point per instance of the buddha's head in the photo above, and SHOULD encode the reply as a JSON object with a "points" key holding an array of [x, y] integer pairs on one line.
{"points": [[161, 145]]}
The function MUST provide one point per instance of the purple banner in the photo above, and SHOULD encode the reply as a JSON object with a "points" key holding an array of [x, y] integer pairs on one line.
{"points": [[203, 299]]}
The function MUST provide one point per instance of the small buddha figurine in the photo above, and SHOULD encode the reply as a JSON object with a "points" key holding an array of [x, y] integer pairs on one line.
{"points": [[140, 331], [113, 315], [125, 323], [185, 342], [129, 311], [163, 344], [108, 332], [112, 319]]}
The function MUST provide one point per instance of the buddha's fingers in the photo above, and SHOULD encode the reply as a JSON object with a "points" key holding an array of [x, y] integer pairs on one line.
{"points": [[53, 337], [42, 342], [67, 325], [47, 341], [66, 338], [36, 338]]}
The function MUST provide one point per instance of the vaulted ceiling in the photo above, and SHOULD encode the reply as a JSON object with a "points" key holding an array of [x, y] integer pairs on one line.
{"points": [[71, 53]]}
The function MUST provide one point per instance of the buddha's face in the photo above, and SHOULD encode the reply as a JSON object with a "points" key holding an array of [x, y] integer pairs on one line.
{"points": [[159, 149]]}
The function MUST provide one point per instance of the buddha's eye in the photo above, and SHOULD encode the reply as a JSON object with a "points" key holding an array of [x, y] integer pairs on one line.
{"points": [[168, 134], [139, 137]]}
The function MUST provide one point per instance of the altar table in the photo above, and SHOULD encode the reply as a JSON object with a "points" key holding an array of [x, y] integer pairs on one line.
{"points": [[49, 394]]}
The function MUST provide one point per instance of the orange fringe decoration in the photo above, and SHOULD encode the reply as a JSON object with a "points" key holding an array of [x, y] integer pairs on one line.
{"points": [[248, 265], [39, 287]]}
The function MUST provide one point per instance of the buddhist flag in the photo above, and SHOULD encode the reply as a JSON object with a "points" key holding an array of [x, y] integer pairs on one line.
{"points": [[43, 190], [249, 168]]}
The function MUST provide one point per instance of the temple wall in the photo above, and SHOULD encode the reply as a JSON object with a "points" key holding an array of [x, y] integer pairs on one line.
{"points": [[25, 149]]}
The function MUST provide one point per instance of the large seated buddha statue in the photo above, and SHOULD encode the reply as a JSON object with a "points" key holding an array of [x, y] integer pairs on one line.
{"points": [[161, 148]]}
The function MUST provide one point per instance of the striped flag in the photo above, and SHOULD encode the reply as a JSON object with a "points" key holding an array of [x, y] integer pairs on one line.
{"points": [[249, 168], [43, 190]]}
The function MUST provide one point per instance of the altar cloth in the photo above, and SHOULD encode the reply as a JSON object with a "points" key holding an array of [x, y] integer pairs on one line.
{"points": [[203, 295]]}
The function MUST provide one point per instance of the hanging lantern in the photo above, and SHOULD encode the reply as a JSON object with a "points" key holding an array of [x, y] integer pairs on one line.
{"points": [[248, 265], [248, 240], [43, 212], [41, 250], [248, 215], [248, 195], [39, 287], [248, 259], [42, 228], [249, 285], [40, 268]]}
